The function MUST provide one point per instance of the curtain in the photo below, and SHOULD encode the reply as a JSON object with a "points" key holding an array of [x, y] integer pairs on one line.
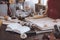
{"points": [[53, 9]]}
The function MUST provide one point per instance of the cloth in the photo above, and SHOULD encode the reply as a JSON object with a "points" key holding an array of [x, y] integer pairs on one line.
{"points": [[53, 9], [3, 9], [21, 13]]}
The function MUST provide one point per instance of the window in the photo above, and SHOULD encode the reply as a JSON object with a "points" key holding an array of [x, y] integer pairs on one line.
{"points": [[43, 2]]}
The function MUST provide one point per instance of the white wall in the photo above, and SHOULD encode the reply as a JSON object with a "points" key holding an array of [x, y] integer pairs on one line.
{"points": [[34, 1], [44, 2], [31, 2]]}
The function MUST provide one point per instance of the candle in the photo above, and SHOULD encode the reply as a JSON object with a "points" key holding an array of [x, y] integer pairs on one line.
{"points": [[0, 23]]}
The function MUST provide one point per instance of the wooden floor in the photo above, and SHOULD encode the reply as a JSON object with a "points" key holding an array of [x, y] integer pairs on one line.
{"points": [[14, 36]]}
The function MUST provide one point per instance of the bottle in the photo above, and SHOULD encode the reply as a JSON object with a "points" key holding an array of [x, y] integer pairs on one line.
{"points": [[56, 28]]}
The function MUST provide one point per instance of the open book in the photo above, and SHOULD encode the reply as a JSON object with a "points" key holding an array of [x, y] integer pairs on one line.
{"points": [[15, 27]]}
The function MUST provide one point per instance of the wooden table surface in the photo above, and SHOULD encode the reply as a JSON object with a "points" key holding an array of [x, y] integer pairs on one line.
{"points": [[8, 35], [4, 35]]}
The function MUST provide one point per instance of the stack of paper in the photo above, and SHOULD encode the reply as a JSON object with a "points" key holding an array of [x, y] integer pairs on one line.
{"points": [[44, 23]]}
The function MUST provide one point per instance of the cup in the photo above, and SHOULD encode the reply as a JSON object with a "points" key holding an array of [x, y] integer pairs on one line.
{"points": [[23, 36]]}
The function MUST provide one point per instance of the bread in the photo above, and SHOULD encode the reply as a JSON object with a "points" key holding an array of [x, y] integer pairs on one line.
{"points": [[38, 16], [6, 17], [45, 25]]}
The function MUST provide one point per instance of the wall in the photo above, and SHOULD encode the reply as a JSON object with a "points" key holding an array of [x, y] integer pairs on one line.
{"points": [[33, 2]]}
